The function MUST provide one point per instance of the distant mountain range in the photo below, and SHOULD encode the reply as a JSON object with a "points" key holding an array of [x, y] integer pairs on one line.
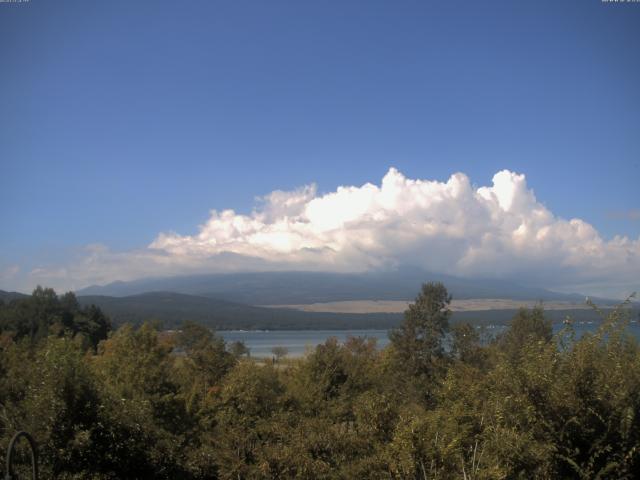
{"points": [[282, 288], [171, 309], [8, 296], [233, 301]]}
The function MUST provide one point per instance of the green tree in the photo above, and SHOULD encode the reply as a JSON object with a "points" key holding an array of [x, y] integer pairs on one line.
{"points": [[418, 342], [249, 397], [279, 353], [206, 362], [44, 313], [527, 326], [51, 393], [238, 349], [466, 346], [145, 417]]}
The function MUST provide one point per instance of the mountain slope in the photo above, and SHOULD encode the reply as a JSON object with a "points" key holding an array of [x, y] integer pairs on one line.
{"points": [[275, 288], [8, 296], [172, 309]]}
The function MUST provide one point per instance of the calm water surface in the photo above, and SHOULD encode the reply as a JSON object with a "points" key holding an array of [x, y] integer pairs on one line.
{"points": [[298, 342], [260, 342]]}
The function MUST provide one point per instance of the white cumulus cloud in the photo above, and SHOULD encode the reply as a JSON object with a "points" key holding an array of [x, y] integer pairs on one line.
{"points": [[500, 230]]}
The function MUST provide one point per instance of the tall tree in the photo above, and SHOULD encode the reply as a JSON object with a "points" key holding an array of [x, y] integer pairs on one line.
{"points": [[527, 327], [44, 313], [418, 342]]}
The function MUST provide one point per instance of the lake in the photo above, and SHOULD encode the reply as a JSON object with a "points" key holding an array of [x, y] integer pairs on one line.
{"points": [[260, 342]]}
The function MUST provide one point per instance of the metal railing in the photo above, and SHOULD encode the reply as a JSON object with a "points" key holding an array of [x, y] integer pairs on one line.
{"points": [[10, 475]]}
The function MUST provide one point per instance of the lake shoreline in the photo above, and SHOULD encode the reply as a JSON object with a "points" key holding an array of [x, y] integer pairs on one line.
{"points": [[299, 342]]}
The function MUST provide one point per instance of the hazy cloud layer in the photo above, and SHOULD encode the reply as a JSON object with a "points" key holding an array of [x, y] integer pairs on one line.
{"points": [[500, 230]]}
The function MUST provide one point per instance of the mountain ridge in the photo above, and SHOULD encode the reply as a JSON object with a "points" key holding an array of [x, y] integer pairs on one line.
{"points": [[299, 287], [6, 296], [172, 309]]}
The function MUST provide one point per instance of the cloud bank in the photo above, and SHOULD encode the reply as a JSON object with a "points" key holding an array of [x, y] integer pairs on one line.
{"points": [[499, 231]]}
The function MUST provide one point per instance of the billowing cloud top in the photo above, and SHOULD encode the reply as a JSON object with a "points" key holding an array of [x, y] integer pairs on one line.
{"points": [[495, 231]]}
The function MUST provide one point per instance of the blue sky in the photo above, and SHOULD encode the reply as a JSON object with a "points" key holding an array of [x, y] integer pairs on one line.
{"points": [[120, 120]]}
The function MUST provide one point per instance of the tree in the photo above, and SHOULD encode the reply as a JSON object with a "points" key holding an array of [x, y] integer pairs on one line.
{"points": [[250, 396], [527, 326], [280, 352], [206, 362], [238, 349], [44, 313], [418, 342], [193, 336], [50, 392], [465, 344], [145, 417]]}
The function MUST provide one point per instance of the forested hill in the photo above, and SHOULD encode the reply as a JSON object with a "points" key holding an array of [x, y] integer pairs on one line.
{"points": [[172, 309], [8, 296], [278, 288]]}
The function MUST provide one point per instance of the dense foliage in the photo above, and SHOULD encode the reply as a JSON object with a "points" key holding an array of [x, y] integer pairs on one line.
{"points": [[44, 313], [436, 403]]}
